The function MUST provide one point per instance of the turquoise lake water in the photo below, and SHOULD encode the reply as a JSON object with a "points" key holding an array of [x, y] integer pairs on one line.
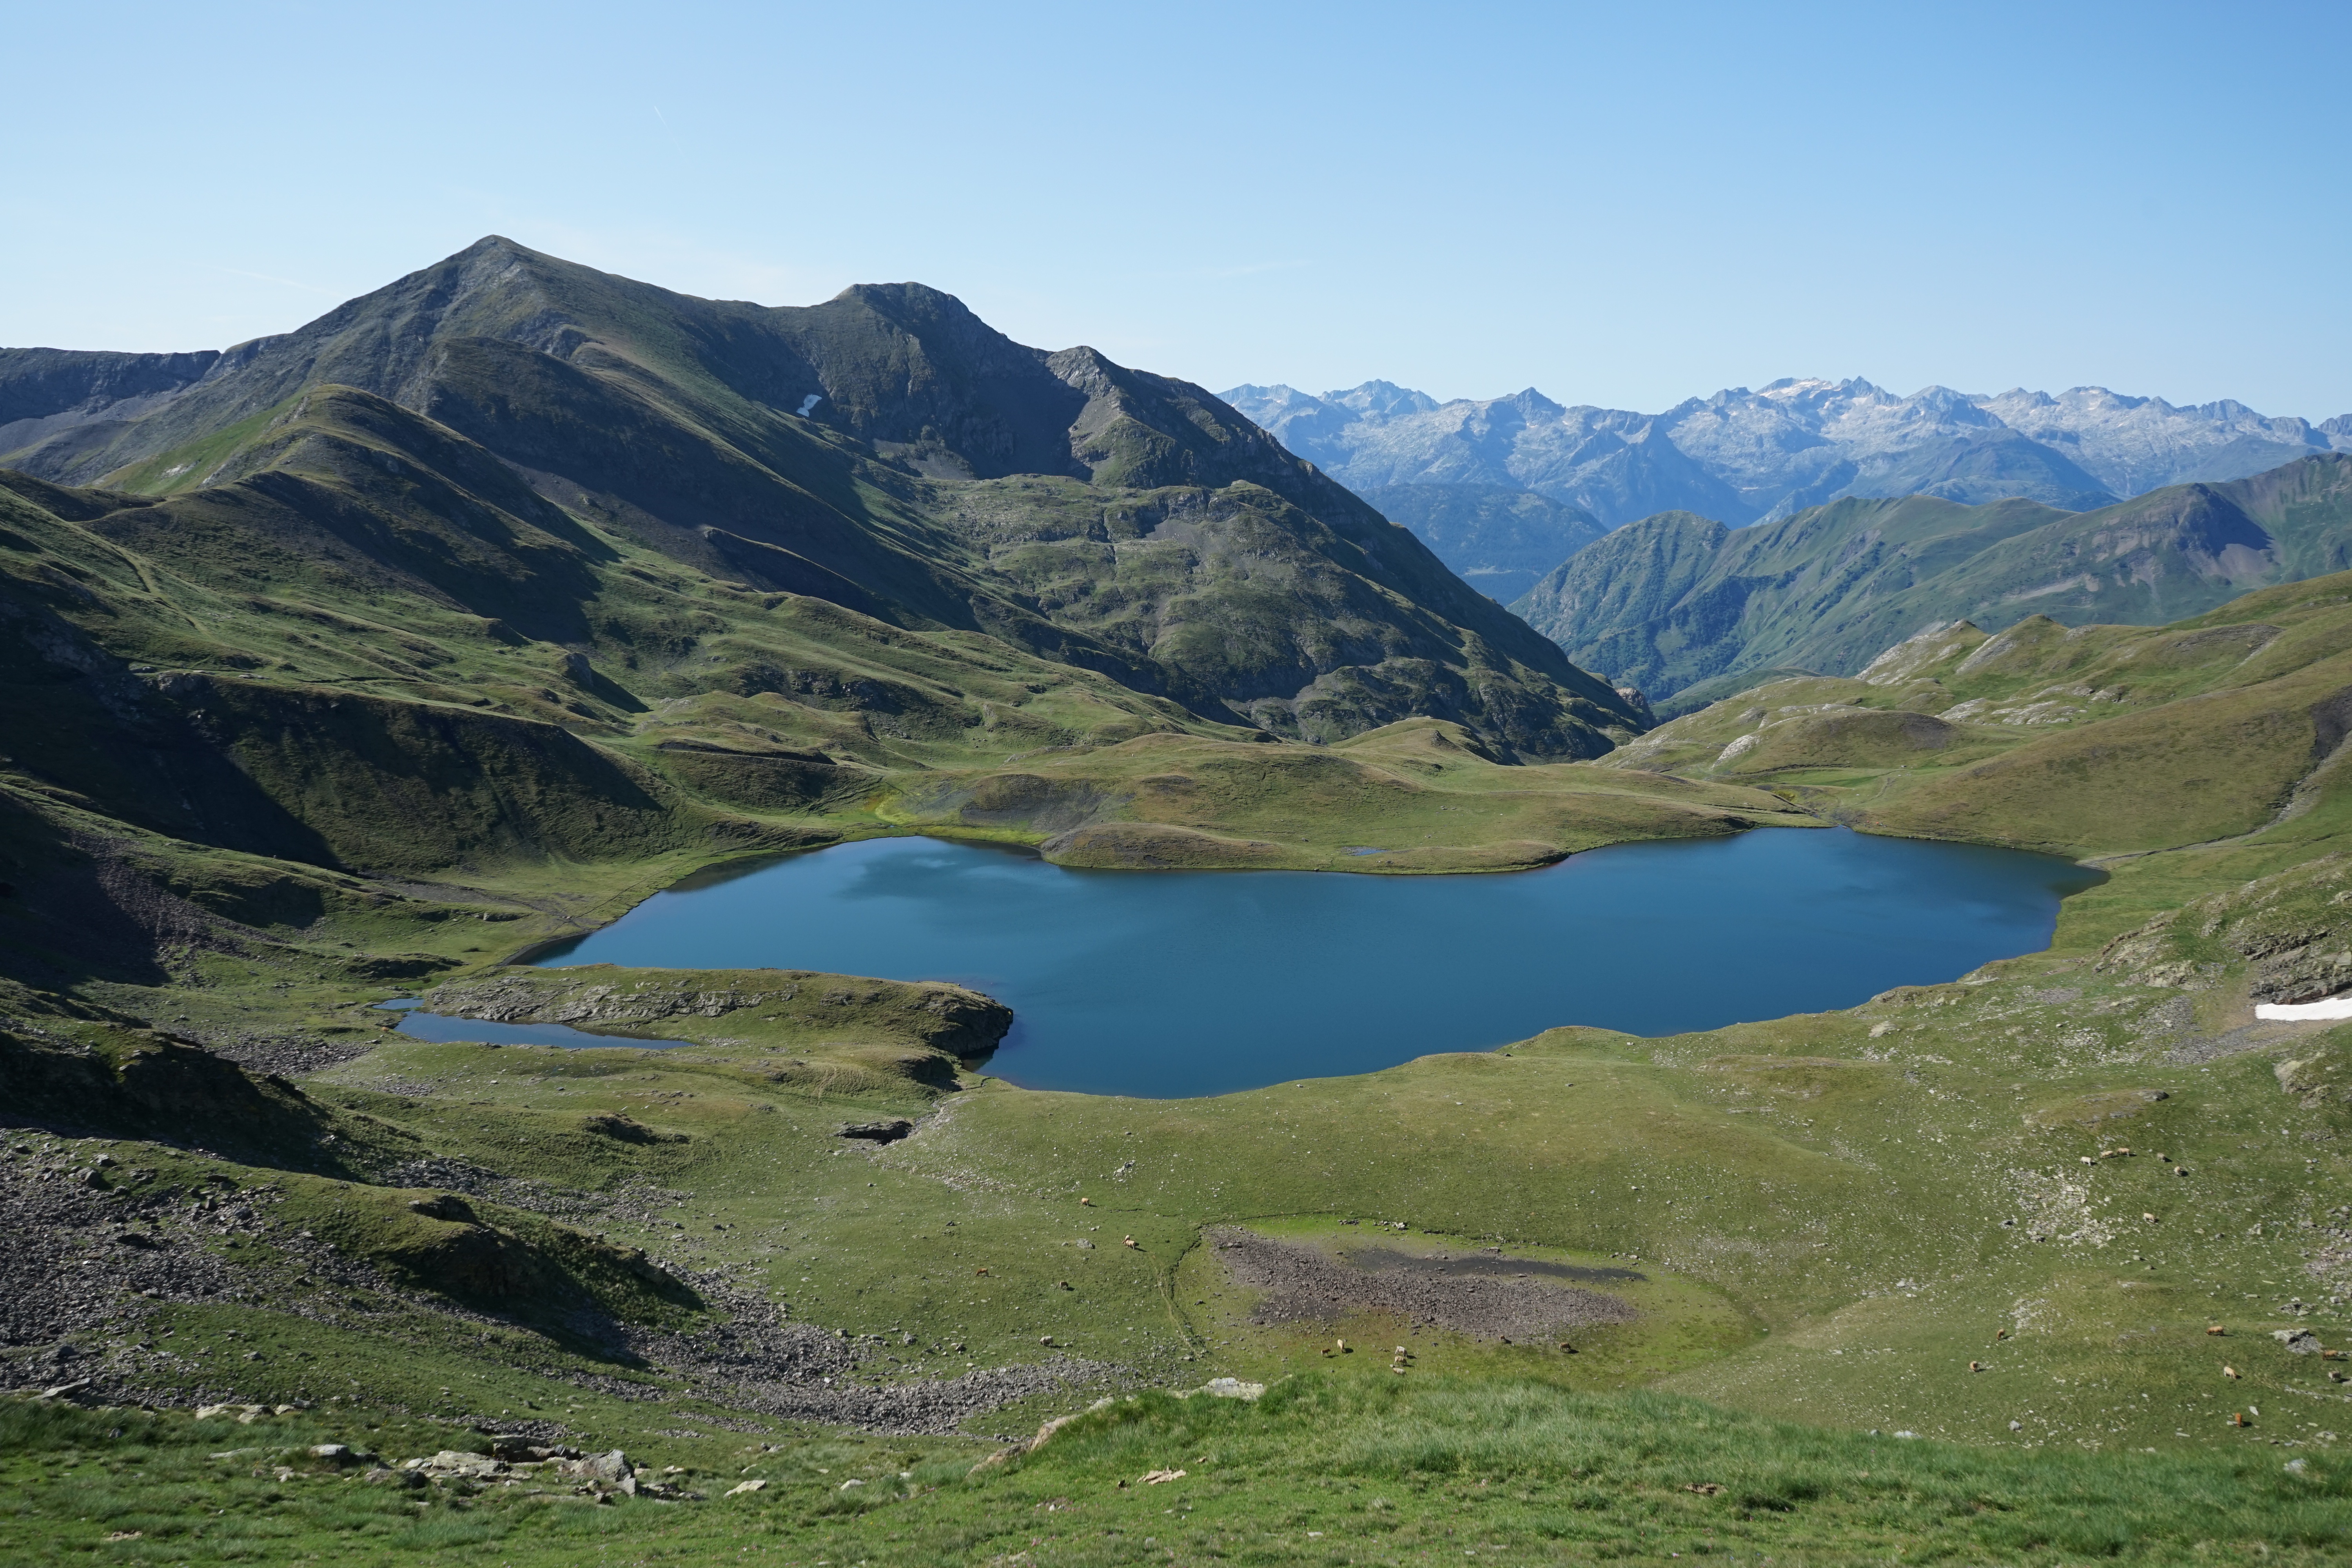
{"points": [[1166, 983]]}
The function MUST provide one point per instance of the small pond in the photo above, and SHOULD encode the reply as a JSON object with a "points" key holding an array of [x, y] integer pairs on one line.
{"points": [[1166, 983], [419, 1025]]}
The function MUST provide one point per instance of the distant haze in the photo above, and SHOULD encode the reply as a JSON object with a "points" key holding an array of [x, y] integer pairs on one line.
{"points": [[1743, 457]]}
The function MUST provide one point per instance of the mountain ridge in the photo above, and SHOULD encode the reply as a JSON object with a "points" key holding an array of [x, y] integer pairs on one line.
{"points": [[824, 451], [1759, 456], [1678, 599]]}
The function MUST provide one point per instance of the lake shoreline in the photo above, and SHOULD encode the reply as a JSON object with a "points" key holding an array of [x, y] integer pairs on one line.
{"points": [[1103, 972]]}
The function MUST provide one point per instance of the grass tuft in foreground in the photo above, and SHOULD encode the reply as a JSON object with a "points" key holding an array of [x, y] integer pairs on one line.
{"points": [[1322, 1468]]}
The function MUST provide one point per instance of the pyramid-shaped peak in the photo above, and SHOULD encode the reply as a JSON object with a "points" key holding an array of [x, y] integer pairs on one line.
{"points": [[895, 298], [1529, 399], [497, 244]]}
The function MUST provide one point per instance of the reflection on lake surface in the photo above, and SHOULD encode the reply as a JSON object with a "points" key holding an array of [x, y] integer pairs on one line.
{"points": [[1168, 983]]}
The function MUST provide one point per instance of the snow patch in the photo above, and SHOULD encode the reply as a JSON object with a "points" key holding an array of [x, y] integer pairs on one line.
{"points": [[2330, 1007]]}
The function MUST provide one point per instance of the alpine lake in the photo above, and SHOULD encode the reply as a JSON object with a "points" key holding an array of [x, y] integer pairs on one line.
{"points": [[1169, 984]]}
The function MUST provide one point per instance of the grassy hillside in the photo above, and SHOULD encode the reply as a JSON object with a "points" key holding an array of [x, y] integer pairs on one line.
{"points": [[367, 693], [1676, 600], [885, 452], [342, 692], [1902, 1248], [2088, 742]]}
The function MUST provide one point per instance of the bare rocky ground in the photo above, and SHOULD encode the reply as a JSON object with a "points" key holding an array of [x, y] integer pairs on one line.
{"points": [[289, 1056], [93, 1255], [98, 1248], [804, 1372], [1486, 1295]]}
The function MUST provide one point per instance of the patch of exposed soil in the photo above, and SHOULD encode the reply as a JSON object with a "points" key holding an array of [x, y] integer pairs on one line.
{"points": [[1484, 1295], [1488, 1262]]}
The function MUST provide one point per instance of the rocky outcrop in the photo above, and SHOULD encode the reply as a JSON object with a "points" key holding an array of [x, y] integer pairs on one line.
{"points": [[140, 1083], [888, 1130], [627, 1129], [944, 1017], [514, 1462], [2294, 931]]}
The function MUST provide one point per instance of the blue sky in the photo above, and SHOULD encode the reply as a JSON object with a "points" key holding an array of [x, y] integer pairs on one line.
{"points": [[1626, 204]]}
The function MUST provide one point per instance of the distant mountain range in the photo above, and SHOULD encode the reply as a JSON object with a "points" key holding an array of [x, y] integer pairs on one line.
{"points": [[1743, 457], [1686, 608], [1497, 538]]}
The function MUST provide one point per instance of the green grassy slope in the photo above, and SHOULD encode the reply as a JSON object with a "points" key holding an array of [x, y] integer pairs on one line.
{"points": [[2094, 740], [1676, 600], [845, 451], [369, 644], [1834, 1218], [376, 703], [1314, 1472], [1879, 1219], [366, 708]]}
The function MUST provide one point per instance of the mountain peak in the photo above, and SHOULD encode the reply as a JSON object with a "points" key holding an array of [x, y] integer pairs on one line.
{"points": [[1382, 397], [1798, 441], [1957, 407], [896, 298], [494, 394], [497, 244]]}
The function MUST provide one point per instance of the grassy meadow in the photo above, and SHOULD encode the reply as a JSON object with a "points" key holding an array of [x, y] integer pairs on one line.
{"points": [[1879, 1221], [1322, 1470], [2044, 1264]]}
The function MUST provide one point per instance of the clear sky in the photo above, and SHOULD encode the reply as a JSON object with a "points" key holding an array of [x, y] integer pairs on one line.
{"points": [[1625, 204]]}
